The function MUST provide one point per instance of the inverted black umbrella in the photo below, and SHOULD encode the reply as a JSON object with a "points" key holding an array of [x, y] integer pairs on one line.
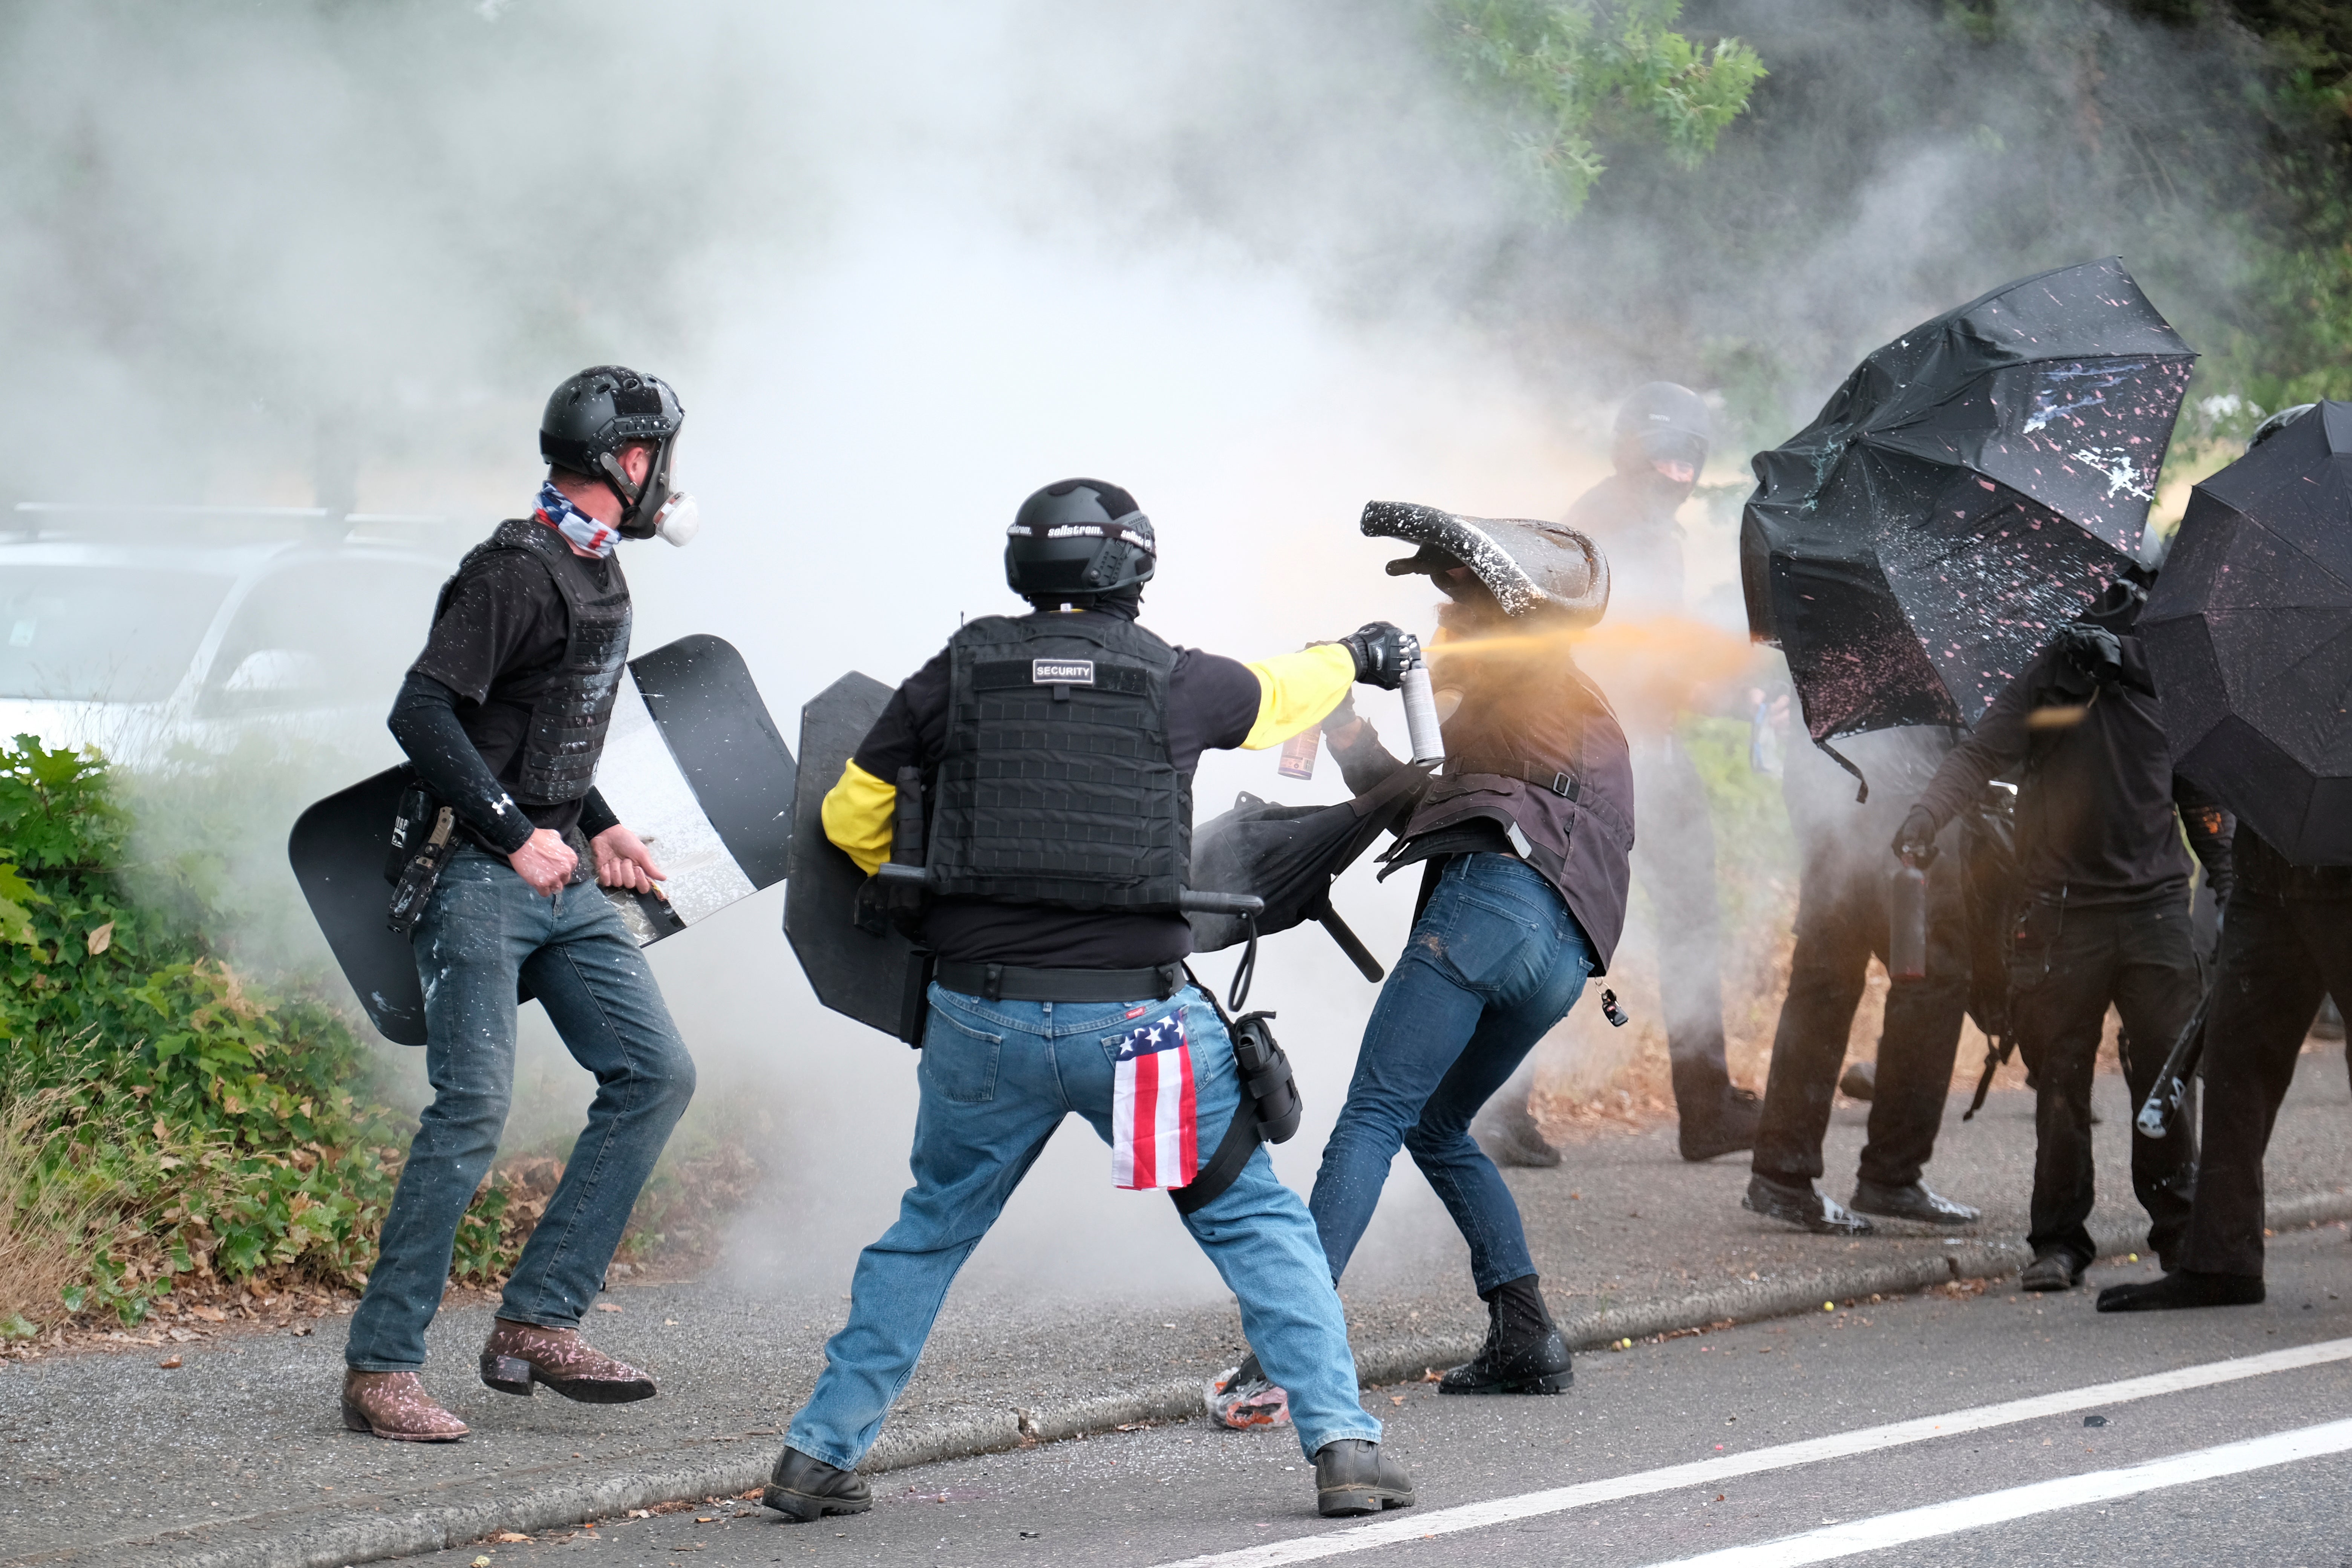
{"points": [[1969, 489], [2249, 635], [1290, 856]]}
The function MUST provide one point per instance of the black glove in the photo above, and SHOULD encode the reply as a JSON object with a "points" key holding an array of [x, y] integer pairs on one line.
{"points": [[1915, 841], [2094, 652], [1342, 716], [1381, 651]]}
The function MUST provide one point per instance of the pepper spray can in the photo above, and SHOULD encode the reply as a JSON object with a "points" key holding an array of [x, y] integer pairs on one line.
{"points": [[1421, 724], [1298, 755], [1906, 944]]}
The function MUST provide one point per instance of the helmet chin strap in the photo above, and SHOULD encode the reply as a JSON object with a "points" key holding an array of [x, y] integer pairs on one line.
{"points": [[638, 500], [616, 479]]}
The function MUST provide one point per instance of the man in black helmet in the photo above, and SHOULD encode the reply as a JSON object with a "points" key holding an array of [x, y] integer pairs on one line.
{"points": [[504, 716], [2101, 817], [1660, 446], [1056, 751]]}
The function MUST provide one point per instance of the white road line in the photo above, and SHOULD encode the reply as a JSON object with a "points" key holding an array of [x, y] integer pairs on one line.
{"points": [[1889, 1529], [1415, 1525]]}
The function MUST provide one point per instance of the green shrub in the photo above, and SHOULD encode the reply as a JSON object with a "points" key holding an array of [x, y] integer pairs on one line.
{"points": [[167, 1115]]}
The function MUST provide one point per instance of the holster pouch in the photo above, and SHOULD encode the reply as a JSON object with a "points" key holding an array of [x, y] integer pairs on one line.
{"points": [[418, 857], [1268, 1113]]}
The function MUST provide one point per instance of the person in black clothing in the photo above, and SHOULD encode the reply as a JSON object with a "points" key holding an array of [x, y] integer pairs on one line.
{"points": [[2100, 819], [1660, 446], [2286, 942], [504, 716], [1842, 923], [1055, 750]]}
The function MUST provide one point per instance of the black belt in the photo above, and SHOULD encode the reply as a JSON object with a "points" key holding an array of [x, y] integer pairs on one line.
{"points": [[1564, 785], [1012, 982]]}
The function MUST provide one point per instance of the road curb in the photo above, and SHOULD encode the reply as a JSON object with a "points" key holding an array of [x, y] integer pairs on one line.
{"points": [[310, 1541]]}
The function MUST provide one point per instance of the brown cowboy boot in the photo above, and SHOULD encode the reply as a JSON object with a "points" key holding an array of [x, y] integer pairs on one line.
{"points": [[393, 1404], [519, 1354]]}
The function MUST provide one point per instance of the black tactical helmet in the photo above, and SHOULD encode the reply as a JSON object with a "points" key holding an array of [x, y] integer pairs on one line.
{"points": [[1079, 537], [595, 414], [1660, 423]]}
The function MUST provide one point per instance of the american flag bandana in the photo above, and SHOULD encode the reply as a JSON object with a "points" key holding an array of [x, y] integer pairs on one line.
{"points": [[575, 525], [1152, 1142]]}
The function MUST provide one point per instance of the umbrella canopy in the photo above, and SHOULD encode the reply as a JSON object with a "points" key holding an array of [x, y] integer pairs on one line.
{"points": [[1289, 855], [2249, 635], [1971, 487]]}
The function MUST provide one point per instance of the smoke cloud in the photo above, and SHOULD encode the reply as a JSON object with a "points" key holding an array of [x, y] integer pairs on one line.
{"points": [[1257, 264]]}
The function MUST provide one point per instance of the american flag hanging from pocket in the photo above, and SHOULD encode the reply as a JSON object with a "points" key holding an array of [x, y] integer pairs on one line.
{"points": [[1152, 1142]]}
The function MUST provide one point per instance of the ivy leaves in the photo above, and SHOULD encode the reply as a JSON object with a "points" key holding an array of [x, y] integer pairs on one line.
{"points": [[1574, 74]]}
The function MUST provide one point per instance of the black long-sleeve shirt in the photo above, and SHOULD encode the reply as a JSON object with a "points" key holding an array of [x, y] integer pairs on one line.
{"points": [[2097, 793], [425, 721], [464, 713]]}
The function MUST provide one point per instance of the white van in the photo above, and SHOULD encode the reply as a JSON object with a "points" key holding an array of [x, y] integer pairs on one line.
{"points": [[144, 631]]}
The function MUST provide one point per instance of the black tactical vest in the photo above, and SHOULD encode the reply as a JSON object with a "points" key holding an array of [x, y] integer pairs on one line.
{"points": [[569, 720], [1056, 786]]}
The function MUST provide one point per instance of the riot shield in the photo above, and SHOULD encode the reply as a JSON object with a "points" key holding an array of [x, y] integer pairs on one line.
{"points": [[693, 763], [876, 979]]}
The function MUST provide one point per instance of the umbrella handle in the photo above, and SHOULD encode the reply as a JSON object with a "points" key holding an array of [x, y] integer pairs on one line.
{"points": [[1349, 944]]}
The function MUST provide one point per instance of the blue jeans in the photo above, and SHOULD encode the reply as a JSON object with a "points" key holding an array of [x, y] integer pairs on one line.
{"points": [[997, 1079], [1493, 962], [482, 930]]}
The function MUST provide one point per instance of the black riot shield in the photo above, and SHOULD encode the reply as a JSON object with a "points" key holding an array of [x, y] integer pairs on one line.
{"points": [[693, 763], [875, 978]]}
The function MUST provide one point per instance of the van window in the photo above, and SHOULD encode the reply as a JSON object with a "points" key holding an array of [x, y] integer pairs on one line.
{"points": [[321, 634], [102, 634]]}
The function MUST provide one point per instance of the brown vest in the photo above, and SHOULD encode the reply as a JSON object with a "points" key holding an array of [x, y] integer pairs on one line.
{"points": [[1535, 745]]}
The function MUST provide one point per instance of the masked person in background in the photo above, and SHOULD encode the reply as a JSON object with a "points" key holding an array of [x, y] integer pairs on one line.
{"points": [[1660, 446], [1523, 839], [2100, 818], [1843, 920], [1056, 749], [504, 716]]}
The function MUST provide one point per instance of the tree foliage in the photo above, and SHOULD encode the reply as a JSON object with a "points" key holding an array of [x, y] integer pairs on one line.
{"points": [[1575, 75]]}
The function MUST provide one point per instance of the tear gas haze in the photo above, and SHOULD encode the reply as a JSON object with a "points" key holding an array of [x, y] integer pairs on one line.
{"points": [[1254, 263]]}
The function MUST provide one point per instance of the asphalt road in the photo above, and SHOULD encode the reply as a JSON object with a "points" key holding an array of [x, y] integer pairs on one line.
{"points": [[1170, 1493]]}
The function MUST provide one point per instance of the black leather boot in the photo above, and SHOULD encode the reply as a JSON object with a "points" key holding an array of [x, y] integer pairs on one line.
{"points": [[1798, 1204], [1352, 1476], [1914, 1202], [1716, 1118], [1523, 1353], [2183, 1288], [806, 1490]]}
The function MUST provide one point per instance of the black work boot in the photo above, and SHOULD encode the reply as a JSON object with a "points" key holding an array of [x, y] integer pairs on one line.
{"points": [[1523, 1353], [806, 1490], [2055, 1269], [1716, 1117], [1509, 1135], [1352, 1476], [2184, 1287], [1913, 1201], [1798, 1203]]}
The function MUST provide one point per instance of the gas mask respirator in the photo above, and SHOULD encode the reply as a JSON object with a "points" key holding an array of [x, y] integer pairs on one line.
{"points": [[654, 511]]}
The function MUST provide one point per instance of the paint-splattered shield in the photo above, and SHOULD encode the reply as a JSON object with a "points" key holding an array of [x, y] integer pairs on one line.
{"points": [[1968, 490], [875, 976], [693, 765]]}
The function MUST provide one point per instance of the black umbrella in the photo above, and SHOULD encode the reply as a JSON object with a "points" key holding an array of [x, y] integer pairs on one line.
{"points": [[1288, 855], [2249, 635], [1971, 487]]}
